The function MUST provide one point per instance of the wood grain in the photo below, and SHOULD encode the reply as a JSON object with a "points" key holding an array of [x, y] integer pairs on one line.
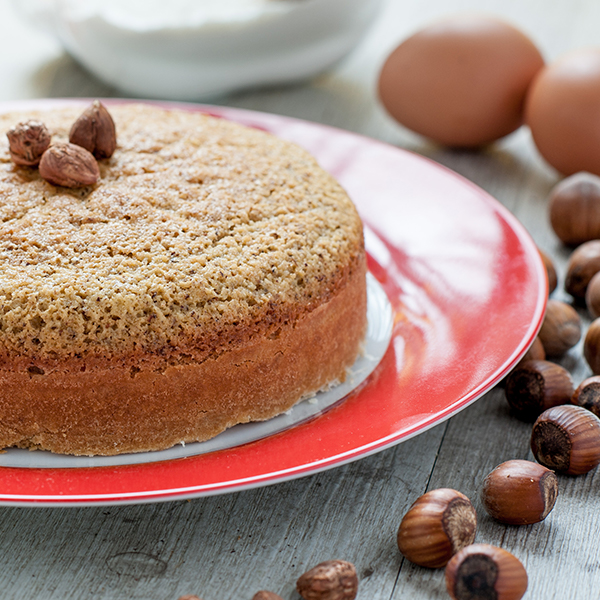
{"points": [[234, 545]]}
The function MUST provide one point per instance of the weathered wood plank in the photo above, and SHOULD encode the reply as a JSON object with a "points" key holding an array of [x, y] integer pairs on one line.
{"points": [[221, 547]]}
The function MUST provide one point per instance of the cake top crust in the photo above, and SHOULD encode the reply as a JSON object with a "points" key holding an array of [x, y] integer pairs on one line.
{"points": [[200, 233]]}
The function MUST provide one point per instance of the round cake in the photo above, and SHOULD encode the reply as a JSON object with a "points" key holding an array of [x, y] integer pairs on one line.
{"points": [[214, 275]]}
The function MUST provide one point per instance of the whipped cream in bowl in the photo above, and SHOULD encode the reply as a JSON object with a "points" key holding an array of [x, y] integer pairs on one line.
{"points": [[200, 49]]}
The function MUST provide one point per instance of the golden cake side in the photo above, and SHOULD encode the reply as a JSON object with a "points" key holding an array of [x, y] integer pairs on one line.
{"points": [[208, 254]]}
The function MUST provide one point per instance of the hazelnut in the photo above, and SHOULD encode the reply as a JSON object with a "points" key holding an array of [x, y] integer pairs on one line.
{"points": [[438, 525], [583, 264], [329, 580], [264, 595], [481, 572], [27, 142], [567, 439], [575, 208], [536, 385], [69, 165], [95, 131], [587, 395], [550, 271], [591, 346], [561, 328], [592, 296], [519, 492], [535, 352], [189, 597]]}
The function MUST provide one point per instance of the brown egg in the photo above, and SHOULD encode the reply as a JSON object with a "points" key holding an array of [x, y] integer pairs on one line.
{"points": [[562, 110], [461, 81]]}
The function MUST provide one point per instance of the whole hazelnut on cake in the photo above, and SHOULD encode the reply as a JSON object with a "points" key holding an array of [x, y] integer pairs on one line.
{"points": [[27, 142], [95, 131]]}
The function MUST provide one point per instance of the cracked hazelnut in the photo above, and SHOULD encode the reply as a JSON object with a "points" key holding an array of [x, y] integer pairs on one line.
{"points": [[592, 296], [95, 131], [536, 385], [519, 492], [567, 439], [329, 580], [574, 207], [550, 271], [264, 595], [587, 395], [561, 328], [27, 142], [438, 525], [69, 165], [484, 572], [583, 264], [591, 346]]}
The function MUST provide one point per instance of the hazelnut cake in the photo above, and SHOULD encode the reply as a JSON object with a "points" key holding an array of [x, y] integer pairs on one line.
{"points": [[214, 275]]}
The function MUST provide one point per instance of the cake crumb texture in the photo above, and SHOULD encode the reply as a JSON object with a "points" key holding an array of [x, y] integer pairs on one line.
{"points": [[200, 235]]}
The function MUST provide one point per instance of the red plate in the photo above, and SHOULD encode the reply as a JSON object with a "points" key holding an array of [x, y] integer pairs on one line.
{"points": [[468, 291]]}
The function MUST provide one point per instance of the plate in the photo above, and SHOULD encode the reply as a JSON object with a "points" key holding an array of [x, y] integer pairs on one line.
{"points": [[377, 340], [467, 290]]}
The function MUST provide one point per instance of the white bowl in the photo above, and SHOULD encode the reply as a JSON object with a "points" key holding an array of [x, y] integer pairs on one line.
{"points": [[199, 49]]}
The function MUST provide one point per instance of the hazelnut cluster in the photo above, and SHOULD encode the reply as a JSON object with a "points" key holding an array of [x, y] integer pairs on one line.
{"points": [[73, 164], [439, 530], [566, 432]]}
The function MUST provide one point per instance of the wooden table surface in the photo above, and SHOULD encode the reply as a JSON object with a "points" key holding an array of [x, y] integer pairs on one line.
{"points": [[231, 546]]}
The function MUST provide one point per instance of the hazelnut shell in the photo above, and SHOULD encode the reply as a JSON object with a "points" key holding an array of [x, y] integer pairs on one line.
{"points": [[535, 386], [566, 439], [591, 346], [561, 328], [535, 352], [587, 395], [574, 207], [583, 264], [436, 526], [592, 296], [519, 492], [550, 271], [481, 571]]}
